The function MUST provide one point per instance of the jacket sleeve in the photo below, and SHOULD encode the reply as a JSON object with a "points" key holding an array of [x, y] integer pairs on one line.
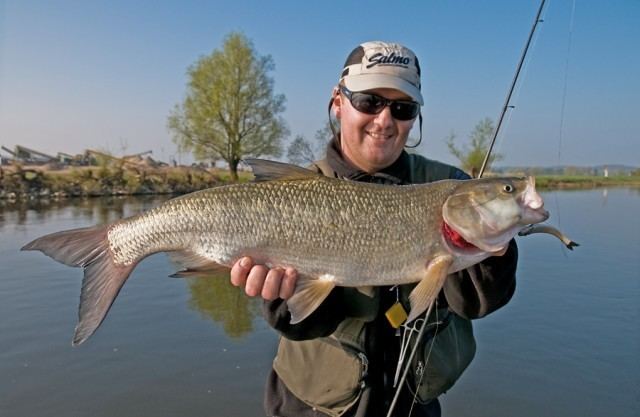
{"points": [[485, 287], [322, 322]]}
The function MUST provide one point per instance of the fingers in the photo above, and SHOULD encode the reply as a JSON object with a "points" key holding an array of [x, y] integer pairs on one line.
{"points": [[288, 285], [272, 283], [240, 271], [255, 280], [260, 280]]}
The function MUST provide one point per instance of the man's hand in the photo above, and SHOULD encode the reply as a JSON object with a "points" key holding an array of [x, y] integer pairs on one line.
{"points": [[260, 280]]}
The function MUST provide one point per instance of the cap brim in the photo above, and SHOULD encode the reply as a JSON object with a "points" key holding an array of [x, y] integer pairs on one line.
{"points": [[363, 82]]}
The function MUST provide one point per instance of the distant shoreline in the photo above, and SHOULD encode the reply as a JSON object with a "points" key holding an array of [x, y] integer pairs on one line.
{"points": [[567, 182], [29, 183]]}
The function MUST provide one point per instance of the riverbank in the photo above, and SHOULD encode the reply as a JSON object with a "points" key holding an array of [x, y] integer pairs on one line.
{"points": [[28, 183]]}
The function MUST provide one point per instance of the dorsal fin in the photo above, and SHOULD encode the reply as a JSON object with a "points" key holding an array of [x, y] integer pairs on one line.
{"points": [[265, 170]]}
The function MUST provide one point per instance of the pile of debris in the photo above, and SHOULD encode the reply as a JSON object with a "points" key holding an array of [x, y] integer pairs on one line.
{"points": [[30, 157]]}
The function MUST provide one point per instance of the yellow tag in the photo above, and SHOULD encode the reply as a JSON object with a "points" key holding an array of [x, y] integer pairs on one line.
{"points": [[396, 315]]}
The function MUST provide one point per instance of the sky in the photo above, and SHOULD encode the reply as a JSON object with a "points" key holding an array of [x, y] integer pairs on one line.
{"points": [[106, 74]]}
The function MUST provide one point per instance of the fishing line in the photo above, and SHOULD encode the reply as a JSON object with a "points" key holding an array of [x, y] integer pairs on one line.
{"points": [[564, 104], [566, 80]]}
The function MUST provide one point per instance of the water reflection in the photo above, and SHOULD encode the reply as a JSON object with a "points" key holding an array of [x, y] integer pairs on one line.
{"points": [[215, 298], [212, 296], [96, 210]]}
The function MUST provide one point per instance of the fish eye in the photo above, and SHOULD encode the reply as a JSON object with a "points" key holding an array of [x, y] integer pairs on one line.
{"points": [[507, 188]]}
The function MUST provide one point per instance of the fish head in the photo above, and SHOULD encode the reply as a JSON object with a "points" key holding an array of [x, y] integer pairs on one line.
{"points": [[489, 212]]}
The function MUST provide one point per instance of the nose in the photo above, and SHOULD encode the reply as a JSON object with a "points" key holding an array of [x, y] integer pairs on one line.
{"points": [[384, 118]]}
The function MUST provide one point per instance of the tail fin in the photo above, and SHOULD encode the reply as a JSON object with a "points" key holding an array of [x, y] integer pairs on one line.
{"points": [[87, 248]]}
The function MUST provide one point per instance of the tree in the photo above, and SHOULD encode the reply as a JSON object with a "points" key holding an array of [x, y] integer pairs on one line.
{"points": [[471, 156], [214, 297], [303, 152], [299, 152], [230, 110]]}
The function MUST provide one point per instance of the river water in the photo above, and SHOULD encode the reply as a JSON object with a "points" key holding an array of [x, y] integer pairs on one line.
{"points": [[568, 344]]}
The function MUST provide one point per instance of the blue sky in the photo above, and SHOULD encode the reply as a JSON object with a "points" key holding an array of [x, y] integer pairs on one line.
{"points": [[105, 75]]}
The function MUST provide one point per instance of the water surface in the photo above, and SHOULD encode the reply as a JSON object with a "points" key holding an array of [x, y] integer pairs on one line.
{"points": [[566, 345]]}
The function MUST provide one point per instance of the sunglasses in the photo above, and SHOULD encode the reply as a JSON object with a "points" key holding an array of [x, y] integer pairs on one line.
{"points": [[373, 104]]}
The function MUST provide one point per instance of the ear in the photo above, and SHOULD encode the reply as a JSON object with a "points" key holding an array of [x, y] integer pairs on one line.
{"points": [[337, 101]]}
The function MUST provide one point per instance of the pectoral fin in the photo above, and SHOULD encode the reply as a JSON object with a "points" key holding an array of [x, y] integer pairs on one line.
{"points": [[368, 291], [427, 290], [309, 294]]}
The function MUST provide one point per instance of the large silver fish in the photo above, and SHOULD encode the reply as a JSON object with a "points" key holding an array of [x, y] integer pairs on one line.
{"points": [[334, 232]]}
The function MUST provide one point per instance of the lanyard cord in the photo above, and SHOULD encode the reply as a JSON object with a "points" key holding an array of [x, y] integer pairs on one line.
{"points": [[408, 364], [422, 368]]}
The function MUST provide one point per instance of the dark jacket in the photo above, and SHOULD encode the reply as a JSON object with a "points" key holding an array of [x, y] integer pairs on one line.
{"points": [[471, 294]]}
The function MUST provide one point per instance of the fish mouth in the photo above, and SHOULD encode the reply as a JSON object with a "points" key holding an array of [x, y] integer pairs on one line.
{"points": [[532, 216]]}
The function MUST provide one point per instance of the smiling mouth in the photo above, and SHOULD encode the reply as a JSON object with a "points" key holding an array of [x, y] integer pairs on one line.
{"points": [[379, 136]]}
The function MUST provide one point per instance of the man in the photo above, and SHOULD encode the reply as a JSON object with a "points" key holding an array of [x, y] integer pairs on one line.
{"points": [[341, 360]]}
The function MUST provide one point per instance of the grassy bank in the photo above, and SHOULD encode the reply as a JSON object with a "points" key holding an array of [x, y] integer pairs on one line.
{"points": [[550, 182], [20, 183]]}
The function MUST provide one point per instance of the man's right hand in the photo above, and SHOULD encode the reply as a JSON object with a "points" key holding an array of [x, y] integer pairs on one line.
{"points": [[260, 280]]}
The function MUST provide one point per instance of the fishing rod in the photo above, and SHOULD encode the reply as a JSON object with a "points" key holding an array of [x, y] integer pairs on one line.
{"points": [[506, 106]]}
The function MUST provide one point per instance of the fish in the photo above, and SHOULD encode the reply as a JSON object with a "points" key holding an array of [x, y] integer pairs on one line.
{"points": [[334, 232]]}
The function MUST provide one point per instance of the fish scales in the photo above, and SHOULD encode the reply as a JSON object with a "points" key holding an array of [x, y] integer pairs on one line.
{"points": [[335, 227]]}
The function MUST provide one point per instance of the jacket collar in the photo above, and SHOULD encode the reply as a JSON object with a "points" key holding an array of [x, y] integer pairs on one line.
{"points": [[396, 173]]}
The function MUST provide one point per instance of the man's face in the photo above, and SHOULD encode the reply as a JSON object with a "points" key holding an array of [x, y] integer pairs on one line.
{"points": [[371, 142]]}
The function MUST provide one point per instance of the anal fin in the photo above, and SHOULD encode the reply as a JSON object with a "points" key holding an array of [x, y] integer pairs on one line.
{"points": [[428, 288], [309, 294]]}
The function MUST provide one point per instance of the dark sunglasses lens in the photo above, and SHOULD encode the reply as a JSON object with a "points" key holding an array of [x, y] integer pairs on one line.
{"points": [[405, 110], [367, 103], [373, 104]]}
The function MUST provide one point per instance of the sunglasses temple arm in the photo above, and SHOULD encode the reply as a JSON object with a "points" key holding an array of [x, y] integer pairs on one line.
{"points": [[333, 129], [420, 138]]}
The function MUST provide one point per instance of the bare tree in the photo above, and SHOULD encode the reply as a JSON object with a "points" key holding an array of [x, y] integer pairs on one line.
{"points": [[303, 152]]}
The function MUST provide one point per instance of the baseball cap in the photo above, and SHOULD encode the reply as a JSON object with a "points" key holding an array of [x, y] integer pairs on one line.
{"points": [[383, 65]]}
